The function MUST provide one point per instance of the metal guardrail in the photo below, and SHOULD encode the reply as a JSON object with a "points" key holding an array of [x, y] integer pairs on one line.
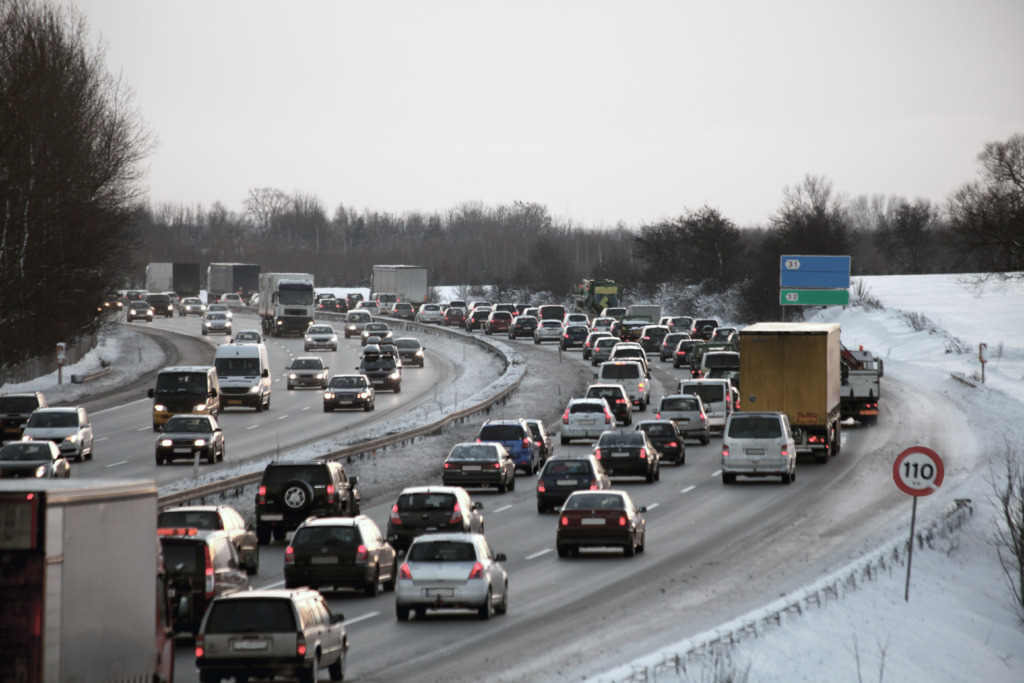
{"points": [[204, 490]]}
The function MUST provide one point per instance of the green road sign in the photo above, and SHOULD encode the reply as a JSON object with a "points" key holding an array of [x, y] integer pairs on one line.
{"points": [[814, 297]]}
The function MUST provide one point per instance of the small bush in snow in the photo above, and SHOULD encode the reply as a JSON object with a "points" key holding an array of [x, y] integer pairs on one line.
{"points": [[1009, 532]]}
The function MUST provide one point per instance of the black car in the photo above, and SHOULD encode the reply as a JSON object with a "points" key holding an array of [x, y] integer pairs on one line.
{"points": [[665, 436], [162, 305], [628, 454], [588, 343], [618, 400], [199, 566], [540, 435], [573, 336], [477, 319], [427, 509], [522, 325], [684, 352], [292, 492], [410, 350], [188, 436], [383, 371], [33, 460], [565, 474], [454, 316], [14, 413], [139, 309], [479, 464], [340, 552], [216, 518], [704, 328], [349, 391], [652, 336]]}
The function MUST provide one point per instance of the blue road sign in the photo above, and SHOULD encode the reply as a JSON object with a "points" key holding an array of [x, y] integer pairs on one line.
{"points": [[826, 272]]}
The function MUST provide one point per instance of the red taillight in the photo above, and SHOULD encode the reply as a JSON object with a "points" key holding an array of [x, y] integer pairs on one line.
{"points": [[200, 647], [641, 386], [261, 498], [657, 416], [725, 451], [620, 400], [622, 521], [330, 493], [209, 573], [565, 417], [785, 451], [597, 453], [643, 453], [289, 555], [395, 517], [608, 418], [447, 465], [478, 571], [593, 484], [564, 521], [497, 465], [362, 555], [703, 417], [540, 488], [456, 514], [300, 647], [404, 572], [673, 444], [526, 442], [479, 440]]}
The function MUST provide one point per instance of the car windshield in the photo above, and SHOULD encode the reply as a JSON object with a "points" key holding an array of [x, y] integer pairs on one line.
{"points": [[47, 419], [594, 501], [217, 316], [321, 329], [18, 404], [558, 467], [379, 363], [326, 535], [620, 440], [26, 450], [476, 452], [500, 433], [188, 425], [678, 403], [358, 317], [347, 383], [755, 428], [199, 519], [442, 551], [426, 501], [307, 364], [237, 367], [181, 383], [377, 327], [407, 343], [251, 615]]}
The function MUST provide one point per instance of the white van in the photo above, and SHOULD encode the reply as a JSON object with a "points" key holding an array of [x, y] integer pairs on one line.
{"points": [[716, 395], [243, 372], [632, 375]]}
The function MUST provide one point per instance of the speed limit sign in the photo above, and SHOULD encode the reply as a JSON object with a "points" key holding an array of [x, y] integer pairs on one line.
{"points": [[918, 471]]}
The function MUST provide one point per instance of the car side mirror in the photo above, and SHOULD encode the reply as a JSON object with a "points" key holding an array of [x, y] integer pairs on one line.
{"points": [[353, 480], [150, 393], [213, 393], [500, 557], [337, 618], [266, 373], [643, 509], [392, 538], [478, 506]]}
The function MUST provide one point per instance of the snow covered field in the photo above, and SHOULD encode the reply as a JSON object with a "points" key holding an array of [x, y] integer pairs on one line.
{"points": [[958, 624]]}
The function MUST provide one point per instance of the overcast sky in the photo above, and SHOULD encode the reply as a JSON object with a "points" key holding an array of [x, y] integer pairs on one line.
{"points": [[602, 111]]}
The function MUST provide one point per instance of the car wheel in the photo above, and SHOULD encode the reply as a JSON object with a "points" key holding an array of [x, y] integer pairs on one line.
{"points": [[502, 487], [512, 482], [159, 460], [629, 549], [536, 341], [541, 508], [643, 542], [401, 613], [252, 565], [787, 478], [728, 478], [337, 670], [211, 456], [280, 533], [259, 405], [705, 440], [290, 386], [629, 419], [204, 333], [564, 551], [421, 612], [564, 440], [372, 589], [681, 460], [311, 674], [486, 610], [262, 534], [502, 607], [651, 476]]}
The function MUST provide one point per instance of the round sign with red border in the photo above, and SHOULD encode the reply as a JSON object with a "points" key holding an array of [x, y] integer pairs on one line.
{"points": [[918, 471]]}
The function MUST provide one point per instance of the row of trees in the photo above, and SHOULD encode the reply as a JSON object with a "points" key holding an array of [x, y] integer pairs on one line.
{"points": [[73, 222]]}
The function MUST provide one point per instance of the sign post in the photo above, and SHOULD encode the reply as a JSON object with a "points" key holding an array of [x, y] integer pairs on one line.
{"points": [[61, 355], [918, 471], [983, 357]]}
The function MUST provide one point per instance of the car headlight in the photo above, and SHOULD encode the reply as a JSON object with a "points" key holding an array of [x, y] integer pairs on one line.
{"points": [[207, 323], [227, 324], [328, 396], [71, 439], [352, 327], [319, 375], [395, 375], [199, 443], [41, 471], [159, 408], [292, 375], [166, 443], [254, 389], [199, 408], [364, 394], [419, 354], [334, 337], [309, 339]]}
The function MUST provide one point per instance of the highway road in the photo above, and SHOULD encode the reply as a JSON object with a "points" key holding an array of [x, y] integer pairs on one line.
{"points": [[713, 552]]}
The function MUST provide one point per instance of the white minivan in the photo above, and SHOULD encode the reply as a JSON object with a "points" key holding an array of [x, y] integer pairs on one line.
{"points": [[632, 375], [243, 372], [716, 395]]}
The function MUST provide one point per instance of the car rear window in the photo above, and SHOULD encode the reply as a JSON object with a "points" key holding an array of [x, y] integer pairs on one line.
{"points": [[200, 519], [18, 404], [755, 428], [721, 360], [326, 535], [477, 452], [314, 474], [626, 371], [442, 551], [658, 429], [678, 404], [558, 467], [594, 501], [251, 615], [500, 433], [184, 558], [426, 501], [613, 440], [605, 392], [586, 408], [709, 393]]}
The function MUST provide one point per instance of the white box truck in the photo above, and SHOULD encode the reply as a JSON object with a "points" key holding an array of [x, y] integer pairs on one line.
{"points": [[286, 303], [407, 283], [82, 580]]}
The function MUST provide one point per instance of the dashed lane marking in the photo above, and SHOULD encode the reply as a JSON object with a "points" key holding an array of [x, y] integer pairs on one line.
{"points": [[505, 507], [116, 464], [688, 489], [362, 617], [538, 554]]}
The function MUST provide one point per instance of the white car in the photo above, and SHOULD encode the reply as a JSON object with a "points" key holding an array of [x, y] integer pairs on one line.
{"points": [[69, 428], [321, 337], [220, 308], [576, 319], [586, 418], [430, 313], [232, 299], [451, 571], [548, 330], [191, 306], [758, 445]]}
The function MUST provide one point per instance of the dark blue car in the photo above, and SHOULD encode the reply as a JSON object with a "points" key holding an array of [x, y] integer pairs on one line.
{"points": [[517, 439], [574, 336]]}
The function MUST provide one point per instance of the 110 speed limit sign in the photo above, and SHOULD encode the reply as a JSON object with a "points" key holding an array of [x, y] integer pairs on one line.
{"points": [[918, 471]]}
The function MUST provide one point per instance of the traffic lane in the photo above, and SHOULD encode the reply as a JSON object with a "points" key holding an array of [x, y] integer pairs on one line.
{"points": [[125, 440]]}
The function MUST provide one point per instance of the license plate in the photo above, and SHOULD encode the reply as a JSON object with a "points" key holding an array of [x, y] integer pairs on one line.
{"points": [[323, 560], [250, 644], [566, 482], [182, 450], [471, 468], [12, 430], [593, 521], [439, 592], [272, 518], [754, 451], [378, 381], [620, 454], [234, 402], [682, 420], [586, 422], [345, 402]]}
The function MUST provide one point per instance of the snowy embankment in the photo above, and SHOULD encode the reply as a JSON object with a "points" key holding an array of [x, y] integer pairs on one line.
{"points": [[855, 625]]}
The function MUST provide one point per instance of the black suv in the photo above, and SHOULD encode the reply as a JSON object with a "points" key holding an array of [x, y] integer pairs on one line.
{"points": [[161, 304], [292, 492], [628, 454], [618, 400], [200, 565], [428, 509], [383, 370], [14, 412]]}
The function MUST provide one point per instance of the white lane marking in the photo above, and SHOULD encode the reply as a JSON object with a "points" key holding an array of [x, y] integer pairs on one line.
{"points": [[362, 617], [536, 555], [101, 438], [688, 489], [306, 408], [283, 417], [715, 474], [276, 584], [506, 507], [252, 427], [123, 405], [652, 506], [116, 464], [144, 429]]}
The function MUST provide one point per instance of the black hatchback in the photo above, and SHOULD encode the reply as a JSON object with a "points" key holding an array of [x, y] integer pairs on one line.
{"points": [[665, 436], [628, 454], [565, 474]]}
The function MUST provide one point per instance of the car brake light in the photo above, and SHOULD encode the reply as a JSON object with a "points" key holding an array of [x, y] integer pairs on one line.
{"points": [[785, 451], [261, 497], [643, 453], [497, 465], [597, 453], [725, 451], [300, 646], [673, 444], [565, 417], [703, 417], [657, 416], [564, 521], [478, 440], [622, 521], [526, 442], [330, 493], [362, 554], [447, 465], [607, 417], [209, 573], [641, 386], [289, 555], [478, 571], [395, 517], [405, 572], [200, 647], [456, 514]]}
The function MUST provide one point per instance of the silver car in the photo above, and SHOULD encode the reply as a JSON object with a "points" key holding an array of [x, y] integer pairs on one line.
{"points": [[321, 337], [603, 349], [430, 313], [451, 571], [216, 322], [586, 418], [308, 371], [758, 445], [548, 330], [69, 428], [687, 411]]}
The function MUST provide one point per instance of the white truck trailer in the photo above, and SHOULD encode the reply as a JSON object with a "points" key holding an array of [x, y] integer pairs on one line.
{"points": [[407, 283]]}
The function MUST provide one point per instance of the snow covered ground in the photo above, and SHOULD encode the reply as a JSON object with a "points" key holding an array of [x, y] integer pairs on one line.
{"points": [[855, 625]]}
